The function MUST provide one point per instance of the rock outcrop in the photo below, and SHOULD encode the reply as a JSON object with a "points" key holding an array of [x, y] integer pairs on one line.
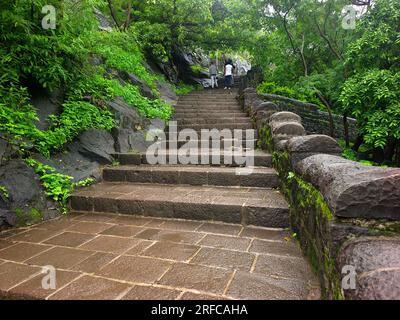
{"points": [[23, 199]]}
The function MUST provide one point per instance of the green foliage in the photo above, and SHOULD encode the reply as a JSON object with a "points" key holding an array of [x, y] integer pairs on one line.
{"points": [[310, 217], [103, 89], [59, 58], [164, 25], [4, 192], [372, 98], [30, 217], [198, 69], [16, 125], [122, 52], [182, 88], [59, 187], [77, 117], [301, 94]]}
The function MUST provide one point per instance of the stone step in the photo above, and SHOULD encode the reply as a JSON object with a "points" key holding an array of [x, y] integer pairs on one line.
{"points": [[245, 205], [220, 108], [237, 116], [218, 99], [219, 120], [207, 114], [221, 158], [201, 136], [191, 113], [217, 94], [224, 143], [230, 126], [189, 123], [192, 175], [207, 106]]}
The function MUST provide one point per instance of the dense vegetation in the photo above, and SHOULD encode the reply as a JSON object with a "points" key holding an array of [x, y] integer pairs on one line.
{"points": [[304, 48], [309, 53], [59, 59]]}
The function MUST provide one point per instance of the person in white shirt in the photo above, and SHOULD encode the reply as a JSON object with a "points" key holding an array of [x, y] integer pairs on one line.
{"points": [[228, 73]]}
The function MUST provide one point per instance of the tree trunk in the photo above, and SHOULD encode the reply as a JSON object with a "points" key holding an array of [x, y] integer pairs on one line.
{"points": [[357, 144], [390, 149], [346, 131], [397, 160], [112, 12], [378, 155], [328, 107], [128, 17]]}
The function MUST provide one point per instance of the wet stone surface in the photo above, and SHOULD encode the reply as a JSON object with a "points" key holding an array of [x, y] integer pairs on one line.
{"points": [[107, 257]]}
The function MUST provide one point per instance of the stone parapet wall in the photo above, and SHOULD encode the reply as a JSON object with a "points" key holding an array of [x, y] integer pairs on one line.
{"points": [[341, 210], [313, 119]]}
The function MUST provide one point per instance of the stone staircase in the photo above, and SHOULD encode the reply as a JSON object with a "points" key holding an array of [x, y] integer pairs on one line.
{"points": [[218, 192]]}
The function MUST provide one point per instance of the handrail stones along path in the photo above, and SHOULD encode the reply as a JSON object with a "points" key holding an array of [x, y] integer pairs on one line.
{"points": [[345, 214]]}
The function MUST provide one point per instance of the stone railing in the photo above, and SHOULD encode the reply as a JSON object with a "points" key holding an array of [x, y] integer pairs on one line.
{"points": [[313, 120], [346, 216]]}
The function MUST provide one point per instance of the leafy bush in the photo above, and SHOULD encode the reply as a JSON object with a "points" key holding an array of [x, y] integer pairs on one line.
{"points": [[58, 186], [183, 88], [300, 94], [59, 58], [103, 89], [121, 51], [77, 117], [373, 99]]}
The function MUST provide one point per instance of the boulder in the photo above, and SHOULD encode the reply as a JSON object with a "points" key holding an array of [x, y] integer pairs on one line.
{"points": [[126, 116], [26, 202], [124, 77], [46, 103], [127, 141], [167, 93], [352, 189], [97, 145], [143, 87], [104, 23], [96, 60], [72, 163], [284, 116], [376, 262], [4, 150], [302, 147]]}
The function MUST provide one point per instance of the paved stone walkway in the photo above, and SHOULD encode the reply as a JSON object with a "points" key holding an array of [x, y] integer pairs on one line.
{"points": [[99, 256], [105, 256]]}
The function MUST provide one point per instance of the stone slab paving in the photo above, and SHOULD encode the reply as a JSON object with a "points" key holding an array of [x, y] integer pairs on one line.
{"points": [[104, 256]]}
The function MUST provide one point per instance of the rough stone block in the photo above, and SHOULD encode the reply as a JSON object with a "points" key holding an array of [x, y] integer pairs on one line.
{"points": [[377, 267], [316, 143], [281, 145], [352, 189], [302, 147], [285, 116], [265, 106], [97, 145], [288, 128]]}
